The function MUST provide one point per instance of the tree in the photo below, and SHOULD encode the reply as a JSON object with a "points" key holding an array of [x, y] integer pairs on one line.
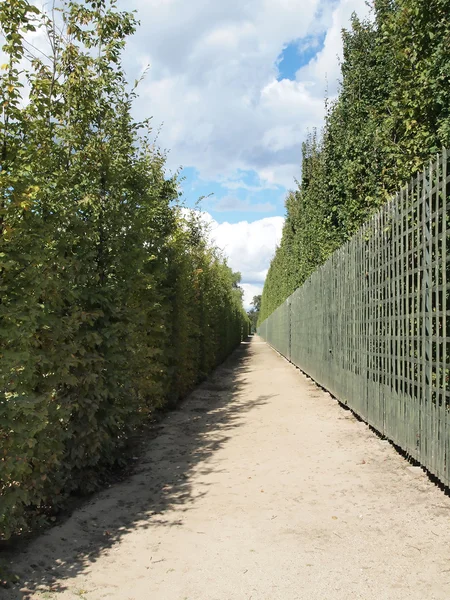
{"points": [[253, 313], [256, 303]]}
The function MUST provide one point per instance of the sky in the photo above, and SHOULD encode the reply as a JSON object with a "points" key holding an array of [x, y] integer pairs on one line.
{"points": [[233, 89]]}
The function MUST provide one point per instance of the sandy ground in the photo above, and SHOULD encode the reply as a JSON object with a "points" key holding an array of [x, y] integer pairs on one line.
{"points": [[260, 487]]}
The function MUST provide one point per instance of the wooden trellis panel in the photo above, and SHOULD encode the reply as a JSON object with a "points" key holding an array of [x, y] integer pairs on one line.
{"points": [[372, 324]]}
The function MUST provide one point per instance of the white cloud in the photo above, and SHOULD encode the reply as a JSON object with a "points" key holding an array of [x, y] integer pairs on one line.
{"points": [[249, 247], [250, 290], [213, 84], [238, 184], [213, 80], [322, 73]]}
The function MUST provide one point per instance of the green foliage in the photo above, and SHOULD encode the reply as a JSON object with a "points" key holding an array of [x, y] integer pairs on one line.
{"points": [[391, 116], [253, 313], [308, 236], [111, 302]]}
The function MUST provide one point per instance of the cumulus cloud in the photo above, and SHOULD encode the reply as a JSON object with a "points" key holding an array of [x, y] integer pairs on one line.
{"points": [[321, 75], [214, 84], [215, 88], [248, 247]]}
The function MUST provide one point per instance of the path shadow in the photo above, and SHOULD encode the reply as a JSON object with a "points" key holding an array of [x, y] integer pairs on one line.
{"points": [[184, 443]]}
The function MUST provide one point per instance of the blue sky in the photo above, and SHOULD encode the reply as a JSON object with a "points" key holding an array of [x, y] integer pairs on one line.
{"points": [[233, 201], [233, 89], [245, 197], [297, 54]]}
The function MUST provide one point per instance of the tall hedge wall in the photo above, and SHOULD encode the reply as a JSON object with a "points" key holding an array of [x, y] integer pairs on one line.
{"points": [[391, 116], [112, 302]]}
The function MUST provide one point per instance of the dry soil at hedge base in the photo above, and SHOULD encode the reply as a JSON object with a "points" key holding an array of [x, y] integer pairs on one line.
{"points": [[259, 487]]}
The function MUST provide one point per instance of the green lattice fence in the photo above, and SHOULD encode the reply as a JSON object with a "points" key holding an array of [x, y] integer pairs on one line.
{"points": [[372, 325]]}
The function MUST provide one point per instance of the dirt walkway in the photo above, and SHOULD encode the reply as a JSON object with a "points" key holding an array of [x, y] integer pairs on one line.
{"points": [[260, 487]]}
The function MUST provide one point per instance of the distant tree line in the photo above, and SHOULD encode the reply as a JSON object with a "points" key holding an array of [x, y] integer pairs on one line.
{"points": [[253, 313]]}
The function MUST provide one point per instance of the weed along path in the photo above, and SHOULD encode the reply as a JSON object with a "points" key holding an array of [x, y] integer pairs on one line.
{"points": [[259, 487]]}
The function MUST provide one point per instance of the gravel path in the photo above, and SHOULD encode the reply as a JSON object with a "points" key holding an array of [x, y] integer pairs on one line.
{"points": [[260, 487]]}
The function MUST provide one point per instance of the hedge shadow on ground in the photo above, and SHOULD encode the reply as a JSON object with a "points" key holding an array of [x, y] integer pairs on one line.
{"points": [[186, 442]]}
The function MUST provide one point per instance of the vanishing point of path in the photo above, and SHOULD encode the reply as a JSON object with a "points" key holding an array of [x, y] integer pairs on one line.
{"points": [[259, 487]]}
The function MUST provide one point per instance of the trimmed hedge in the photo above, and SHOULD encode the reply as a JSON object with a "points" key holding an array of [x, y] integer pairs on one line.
{"points": [[392, 116], [112, 302]]}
